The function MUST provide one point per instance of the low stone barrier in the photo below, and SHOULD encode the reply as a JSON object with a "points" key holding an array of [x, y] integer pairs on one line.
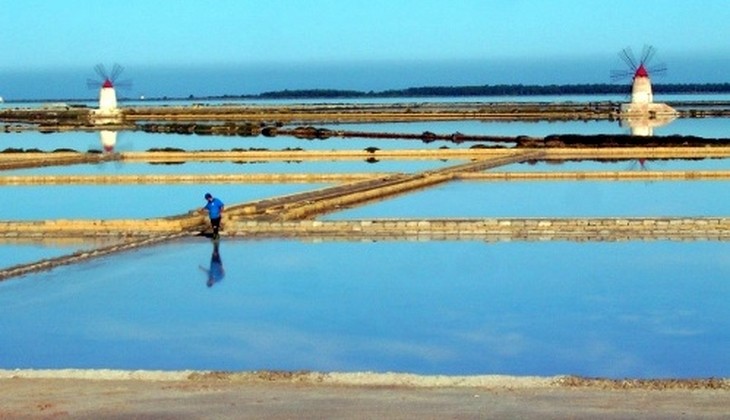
{"points": [[716, 228], [98, 227], [262, 178], [596, 175]]}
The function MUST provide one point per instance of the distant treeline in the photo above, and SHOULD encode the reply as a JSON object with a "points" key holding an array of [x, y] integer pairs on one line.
{"points": [[489, 90]]}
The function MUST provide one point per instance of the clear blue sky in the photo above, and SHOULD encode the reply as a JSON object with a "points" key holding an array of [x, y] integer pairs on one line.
{"points": [[285, 40]]}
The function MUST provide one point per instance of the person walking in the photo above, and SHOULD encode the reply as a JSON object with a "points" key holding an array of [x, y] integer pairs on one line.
{"points": [[214, 207]]}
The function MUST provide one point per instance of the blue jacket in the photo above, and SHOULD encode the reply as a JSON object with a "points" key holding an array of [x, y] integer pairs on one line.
{"points": [[214, 208]]}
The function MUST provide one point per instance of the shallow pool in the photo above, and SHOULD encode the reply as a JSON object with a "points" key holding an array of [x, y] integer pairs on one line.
{"points": [[708, 164], [625, 309], [257, 167], [128, 201], [129, 141], [552, 199], [20, 251]]}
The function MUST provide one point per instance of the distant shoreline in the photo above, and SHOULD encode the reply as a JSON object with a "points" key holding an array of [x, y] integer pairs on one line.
{"points": [[430, 91]]}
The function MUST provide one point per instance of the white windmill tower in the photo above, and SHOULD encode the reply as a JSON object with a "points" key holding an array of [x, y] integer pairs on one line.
{"points": [[642, 103], [107, 92]]}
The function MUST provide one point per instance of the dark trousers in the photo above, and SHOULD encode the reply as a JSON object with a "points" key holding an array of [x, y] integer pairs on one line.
{"points": [[216, 224]]}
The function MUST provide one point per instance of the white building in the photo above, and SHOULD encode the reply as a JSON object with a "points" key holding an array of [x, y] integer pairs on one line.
{"points": [[108, 112], [642, 99]]}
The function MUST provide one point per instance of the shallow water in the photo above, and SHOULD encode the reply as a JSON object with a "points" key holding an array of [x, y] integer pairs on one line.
{"points": [[709, 164], [631, 309], [489, 128], [467, 199], [128, 201], [141, 141], [394, 100], [25, 252], [704, 127], [128, 141], [253, 167]]}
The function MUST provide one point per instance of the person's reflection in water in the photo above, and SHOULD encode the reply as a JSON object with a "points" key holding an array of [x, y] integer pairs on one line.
{"points": [[215, 272]]}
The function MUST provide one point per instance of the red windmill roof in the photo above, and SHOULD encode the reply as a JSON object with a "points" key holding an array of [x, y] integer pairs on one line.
{"points": [[641, 71], [108, 83]]}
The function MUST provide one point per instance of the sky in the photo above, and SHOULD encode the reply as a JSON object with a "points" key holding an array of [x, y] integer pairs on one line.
{"points": [[206, 47]]}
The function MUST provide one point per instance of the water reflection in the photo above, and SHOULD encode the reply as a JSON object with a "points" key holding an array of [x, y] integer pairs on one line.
{"points": [[215, 272], [108, 140], [644, 125]]}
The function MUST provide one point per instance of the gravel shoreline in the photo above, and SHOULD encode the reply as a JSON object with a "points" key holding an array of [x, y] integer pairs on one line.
{"points": [[92, 394], [371, 379]]}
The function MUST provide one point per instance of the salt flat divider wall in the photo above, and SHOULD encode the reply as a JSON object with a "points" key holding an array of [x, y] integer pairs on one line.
{"points": [[304, 178]]}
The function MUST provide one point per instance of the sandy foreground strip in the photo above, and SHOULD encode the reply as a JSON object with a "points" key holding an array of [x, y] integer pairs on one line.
{"points": [[273, 394]]}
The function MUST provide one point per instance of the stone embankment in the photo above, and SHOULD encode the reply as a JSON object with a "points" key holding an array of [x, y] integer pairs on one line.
{"points": [[536, 228], [256, 116], [122, 228], [308, 178], [329, 113], [39, 159], [493, 229]]}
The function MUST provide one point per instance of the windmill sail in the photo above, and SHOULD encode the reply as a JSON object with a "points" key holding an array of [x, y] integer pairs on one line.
{"points": [[642, 103]]}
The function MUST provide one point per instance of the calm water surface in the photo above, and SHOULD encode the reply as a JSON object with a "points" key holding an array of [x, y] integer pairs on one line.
{"points": [[638, 309], [141, 141], [253, 167], [704, 127], [552, 199], [709, 164], [129, 201], [25, 252], [630, 309], [395, 100], [128, 141]]}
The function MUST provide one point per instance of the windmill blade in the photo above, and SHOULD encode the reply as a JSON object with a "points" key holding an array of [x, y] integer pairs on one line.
{"points": [[647, 53], [619, 75], [117, 69], [123, 84], [658, 69], [627, 56], [92, 84], [101, 71]]}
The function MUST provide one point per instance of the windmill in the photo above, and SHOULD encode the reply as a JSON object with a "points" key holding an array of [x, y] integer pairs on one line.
{"points": [[107, 88], [639, 70], [642, 113]]}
